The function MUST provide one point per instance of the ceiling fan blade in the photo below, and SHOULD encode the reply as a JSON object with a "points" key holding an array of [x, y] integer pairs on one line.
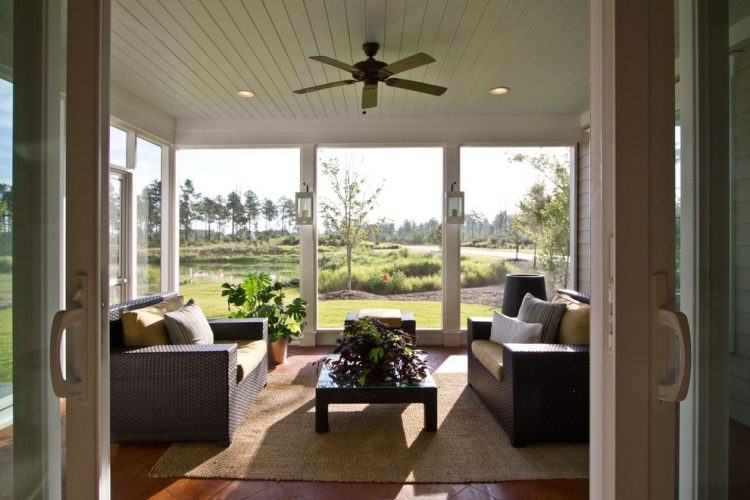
{"points": [[405, 64], [425, 88], [369, 96], [324, 86], [338, 64]]}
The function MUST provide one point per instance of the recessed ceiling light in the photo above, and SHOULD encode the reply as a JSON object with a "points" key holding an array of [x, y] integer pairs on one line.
{"points": [[245, 93], [500, 90]]}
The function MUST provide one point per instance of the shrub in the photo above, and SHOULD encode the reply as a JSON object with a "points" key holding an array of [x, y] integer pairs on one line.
{"points": [[6, 264]]}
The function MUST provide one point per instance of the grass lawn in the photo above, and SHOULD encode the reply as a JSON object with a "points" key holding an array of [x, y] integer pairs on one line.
{"points": [[331, 313], [6, 345]]}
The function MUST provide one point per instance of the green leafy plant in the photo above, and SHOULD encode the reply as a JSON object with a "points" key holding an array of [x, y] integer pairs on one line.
{"points": [[369, 353], [258, 296]]}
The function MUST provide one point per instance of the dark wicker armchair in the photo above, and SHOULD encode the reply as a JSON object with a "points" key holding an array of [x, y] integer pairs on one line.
{"points": [[182, 392], [543, 394]]}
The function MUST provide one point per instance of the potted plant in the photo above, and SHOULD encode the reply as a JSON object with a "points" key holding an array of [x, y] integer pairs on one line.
{"points": [[258, 296], [371, 354]]}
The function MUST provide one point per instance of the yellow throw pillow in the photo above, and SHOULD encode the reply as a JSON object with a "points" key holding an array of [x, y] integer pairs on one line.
{"points": [[145, 327], [575, 323]]}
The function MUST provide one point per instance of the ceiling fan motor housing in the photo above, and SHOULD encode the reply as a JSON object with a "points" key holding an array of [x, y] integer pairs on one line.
{"points": [[370, 66]]}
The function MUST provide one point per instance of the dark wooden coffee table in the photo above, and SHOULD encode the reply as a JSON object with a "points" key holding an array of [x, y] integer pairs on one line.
{"points": [[329, 392]]}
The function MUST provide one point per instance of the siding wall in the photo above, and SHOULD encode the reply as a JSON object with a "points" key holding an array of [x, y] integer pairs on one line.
{"points": [[584, 218], [739, 378]]}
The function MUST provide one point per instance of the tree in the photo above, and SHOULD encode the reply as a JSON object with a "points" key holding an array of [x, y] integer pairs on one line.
{"points": [[252, 209], [236, 211], [206, 211], [346, 215], [531, 217], [189, 200], [269, 211], [149, 203], [545, 213], [287, 211], [221, 213]]}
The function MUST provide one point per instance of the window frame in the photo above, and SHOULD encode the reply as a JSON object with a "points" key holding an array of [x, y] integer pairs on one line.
{"points": [[169, 255]]}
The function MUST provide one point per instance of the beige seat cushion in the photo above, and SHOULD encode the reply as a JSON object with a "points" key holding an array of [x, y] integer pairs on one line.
{"points": [[389, 317], [575, 323], [249, 355], [145, 327], [490, 354]]}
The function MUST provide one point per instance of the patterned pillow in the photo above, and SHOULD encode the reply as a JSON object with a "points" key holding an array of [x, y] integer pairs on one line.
{"points": [[188, 325], [549, 314]]}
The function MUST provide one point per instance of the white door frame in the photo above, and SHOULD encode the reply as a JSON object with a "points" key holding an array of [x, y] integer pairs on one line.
{"points": [[87, 222], [632, 169]]}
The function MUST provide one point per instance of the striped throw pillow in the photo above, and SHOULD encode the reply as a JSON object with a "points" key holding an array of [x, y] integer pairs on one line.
{"points": [[549, 314], [188, 325]]}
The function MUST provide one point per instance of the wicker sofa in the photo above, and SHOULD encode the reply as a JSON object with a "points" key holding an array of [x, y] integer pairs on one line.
{"points": [[183, 392], [542, 393]]}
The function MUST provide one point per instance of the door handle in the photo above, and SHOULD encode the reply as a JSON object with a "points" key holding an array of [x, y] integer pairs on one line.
{"points": [[72, 386], [678, 323]]}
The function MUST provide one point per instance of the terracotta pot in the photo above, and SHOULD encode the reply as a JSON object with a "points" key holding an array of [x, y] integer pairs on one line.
{"points": [[277, 351]]}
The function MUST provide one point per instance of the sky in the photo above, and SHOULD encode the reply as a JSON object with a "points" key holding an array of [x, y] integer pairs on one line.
{"points": [[411, 177], [6, 131]]}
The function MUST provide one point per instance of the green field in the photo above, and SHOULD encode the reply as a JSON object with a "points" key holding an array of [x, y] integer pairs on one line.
{"points": [[331, 313], [377, 269]]}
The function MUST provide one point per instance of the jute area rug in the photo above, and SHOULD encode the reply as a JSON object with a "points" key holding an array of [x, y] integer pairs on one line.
{"points": [[371, 443]]}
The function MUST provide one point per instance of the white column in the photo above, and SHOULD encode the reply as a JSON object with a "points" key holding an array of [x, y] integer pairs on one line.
{"points": [[308, 246], [451, 253]]}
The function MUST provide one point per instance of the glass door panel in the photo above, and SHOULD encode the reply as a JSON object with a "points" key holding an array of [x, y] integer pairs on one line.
{"points": [[713, 144], [116, 238], [32, 134]]}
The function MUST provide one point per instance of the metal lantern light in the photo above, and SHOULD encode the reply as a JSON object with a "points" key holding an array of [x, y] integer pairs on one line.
{"points": [[304, 206], [454, 206]]}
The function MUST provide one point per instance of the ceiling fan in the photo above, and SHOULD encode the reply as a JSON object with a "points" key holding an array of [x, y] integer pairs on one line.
{"points": [[371, 71]]}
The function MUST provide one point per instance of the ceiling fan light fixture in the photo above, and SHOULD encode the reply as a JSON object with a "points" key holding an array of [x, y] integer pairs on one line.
{"points": [[245, 93], [500, 90]]}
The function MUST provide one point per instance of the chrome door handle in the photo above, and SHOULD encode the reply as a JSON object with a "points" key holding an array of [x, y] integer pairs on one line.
{"points": [[72, 386], [678, 323]]}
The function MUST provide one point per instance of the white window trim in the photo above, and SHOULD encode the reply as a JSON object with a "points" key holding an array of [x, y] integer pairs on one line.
{"points": [[169, 272]]}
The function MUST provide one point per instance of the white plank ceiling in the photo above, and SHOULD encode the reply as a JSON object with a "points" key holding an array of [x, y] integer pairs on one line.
{"points": [[189, 57]]}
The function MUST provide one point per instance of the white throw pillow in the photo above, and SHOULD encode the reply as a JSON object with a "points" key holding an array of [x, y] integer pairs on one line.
{"points": [[507, 330]]}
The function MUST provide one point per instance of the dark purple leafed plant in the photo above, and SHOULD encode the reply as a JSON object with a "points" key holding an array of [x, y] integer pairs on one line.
{"points": [[370, 354]]}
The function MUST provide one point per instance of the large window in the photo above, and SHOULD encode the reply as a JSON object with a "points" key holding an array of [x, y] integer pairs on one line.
{"points": [[147, 184], [236, 216], [136, 210], [6, 238], [517, 220], [380, 236]]}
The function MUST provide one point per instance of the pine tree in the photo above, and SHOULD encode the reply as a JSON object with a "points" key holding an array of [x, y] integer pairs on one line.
{"points": [[252, 209]]}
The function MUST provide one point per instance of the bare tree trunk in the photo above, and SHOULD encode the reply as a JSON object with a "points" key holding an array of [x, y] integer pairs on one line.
{"points": [[349, 268], [518, 248], [534, 255]]}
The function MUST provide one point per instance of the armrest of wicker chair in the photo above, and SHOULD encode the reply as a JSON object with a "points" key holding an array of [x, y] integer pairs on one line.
{"points": [[172, 392], [239, 328], [477, 329], [547, 365], [549, 386]]}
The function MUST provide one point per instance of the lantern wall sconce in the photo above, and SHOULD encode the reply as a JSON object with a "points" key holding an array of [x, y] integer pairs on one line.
{"points": [[454, 205], [304, 206]]}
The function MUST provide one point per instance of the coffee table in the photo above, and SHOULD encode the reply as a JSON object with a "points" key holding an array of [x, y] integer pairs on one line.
{"points": [[329, 391]]}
